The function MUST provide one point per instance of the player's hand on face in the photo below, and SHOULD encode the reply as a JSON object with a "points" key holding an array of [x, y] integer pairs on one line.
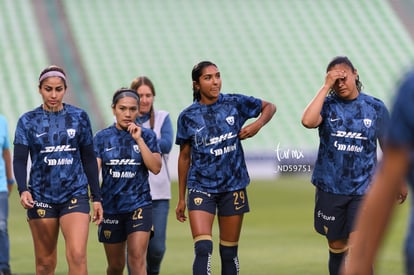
{"points": [[180, 211], [332, 76], [135, 130], [26, 200]]}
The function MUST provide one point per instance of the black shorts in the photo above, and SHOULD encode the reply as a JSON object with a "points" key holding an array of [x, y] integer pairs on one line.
{"points": [[335, 215], [50, 210], [115, 228], [227, 203]]}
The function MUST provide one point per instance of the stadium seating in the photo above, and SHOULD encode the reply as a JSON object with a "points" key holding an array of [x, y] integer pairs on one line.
{"points": [[276, 50], [22, 55]]}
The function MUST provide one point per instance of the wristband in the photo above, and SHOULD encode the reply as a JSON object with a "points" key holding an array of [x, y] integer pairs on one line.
{"points": [[10, 181]]}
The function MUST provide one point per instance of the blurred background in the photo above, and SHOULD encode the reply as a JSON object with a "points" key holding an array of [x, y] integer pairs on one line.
{"points": [[276, 50]]}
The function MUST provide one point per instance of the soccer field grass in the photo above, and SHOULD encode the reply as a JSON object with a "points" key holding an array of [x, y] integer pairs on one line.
{"points": [[277, 236]]}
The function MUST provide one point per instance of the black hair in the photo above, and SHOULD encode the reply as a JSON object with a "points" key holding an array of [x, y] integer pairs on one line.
{"points": [[344, 60], [124, 92], [52, 68], [195, 76]]}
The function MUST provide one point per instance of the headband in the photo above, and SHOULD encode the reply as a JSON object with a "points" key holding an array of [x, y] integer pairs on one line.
{"points": [[125, 93], [50, 74]]}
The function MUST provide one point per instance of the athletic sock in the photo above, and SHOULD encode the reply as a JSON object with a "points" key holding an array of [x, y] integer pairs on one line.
{"points": [[202, 261], [335, 261], [229, 260]]}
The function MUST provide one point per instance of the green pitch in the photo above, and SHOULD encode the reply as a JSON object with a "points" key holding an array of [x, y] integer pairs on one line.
{"points": [[277, 236]]}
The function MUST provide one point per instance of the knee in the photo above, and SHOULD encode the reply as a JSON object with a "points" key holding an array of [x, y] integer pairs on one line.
{"points": [[116, 265], [45, 266], [203, 247], [338, 246], [228, 251], [115, 269], [156, 249], [76, 258]]}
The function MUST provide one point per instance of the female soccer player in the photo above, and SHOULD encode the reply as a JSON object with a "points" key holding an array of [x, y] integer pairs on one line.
{"points": [[350, 124], [159, 121], [395, 168], [59, 138], [126, 152], [212, 167]]}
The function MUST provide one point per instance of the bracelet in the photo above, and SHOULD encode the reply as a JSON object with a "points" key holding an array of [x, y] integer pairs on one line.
{"points": [[10, 181]]}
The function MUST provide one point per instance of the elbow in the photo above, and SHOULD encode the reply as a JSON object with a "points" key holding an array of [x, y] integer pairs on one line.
{"points": [[307, 124], [310, 123], [274, 109], [156, 169], [270, 108]]}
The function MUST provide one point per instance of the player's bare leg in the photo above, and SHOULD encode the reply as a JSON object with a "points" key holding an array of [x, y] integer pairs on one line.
{"points": [[45, 234], [75, 230]]}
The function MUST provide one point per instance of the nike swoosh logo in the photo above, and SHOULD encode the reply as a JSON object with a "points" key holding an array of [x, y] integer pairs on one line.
{"points": [[335, 119], [198, 130], [239, 207], [72, 206], [109, 149], [41, 134], [137, 225]]}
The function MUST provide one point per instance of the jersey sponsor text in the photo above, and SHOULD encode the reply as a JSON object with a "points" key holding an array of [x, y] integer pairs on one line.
{"points": [[345, 134], [221, 138], [60, 161], [123, 174], [348, 147], [58, 148], [224, 150], [122, 162]]}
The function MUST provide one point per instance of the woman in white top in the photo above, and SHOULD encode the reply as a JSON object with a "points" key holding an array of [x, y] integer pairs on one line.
{"points": [[159, 121]]}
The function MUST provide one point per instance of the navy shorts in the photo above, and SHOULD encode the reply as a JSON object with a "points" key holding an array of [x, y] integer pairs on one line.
{"points": [[115, 228], [335, 215], [227, 203], [49, 210]]}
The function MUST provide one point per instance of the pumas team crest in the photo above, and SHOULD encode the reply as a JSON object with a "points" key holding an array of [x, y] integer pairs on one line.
{"points": [[367, 122], [198, 201], [41, 213], [71, 133], [230, 120], [136, 148]]}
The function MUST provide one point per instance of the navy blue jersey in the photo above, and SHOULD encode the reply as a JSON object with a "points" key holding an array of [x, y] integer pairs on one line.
{"points": [[125, 184], [54, 140], [402, 120], [348, 135], [217, 158]]}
